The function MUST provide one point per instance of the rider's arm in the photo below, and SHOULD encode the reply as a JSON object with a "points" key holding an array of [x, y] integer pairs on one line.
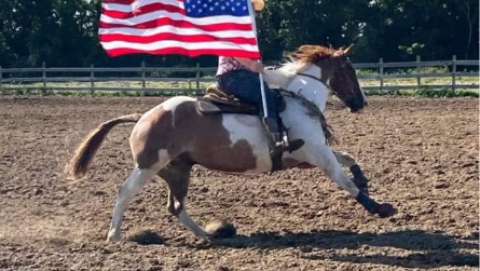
{"points": [[250, 64]]}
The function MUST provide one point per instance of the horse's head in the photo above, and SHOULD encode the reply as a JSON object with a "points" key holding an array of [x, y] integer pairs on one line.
{"points": [[336, 71]]}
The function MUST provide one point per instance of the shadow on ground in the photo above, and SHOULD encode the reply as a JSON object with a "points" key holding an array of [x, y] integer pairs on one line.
{"points": [[427, 249]]}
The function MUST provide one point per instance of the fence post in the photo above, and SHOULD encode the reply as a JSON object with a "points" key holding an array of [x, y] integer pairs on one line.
{"points": [[381, 67], [144, 83], [44, 78], [419, 78], [454, 73], [92, 80], [197, 77]]}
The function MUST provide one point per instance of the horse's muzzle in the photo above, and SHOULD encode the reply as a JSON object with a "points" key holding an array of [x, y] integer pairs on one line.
{"points": [[356, 105]]}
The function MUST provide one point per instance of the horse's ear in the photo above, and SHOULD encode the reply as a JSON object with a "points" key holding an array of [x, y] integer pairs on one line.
{"points": [[348, 51], [339, 53]]}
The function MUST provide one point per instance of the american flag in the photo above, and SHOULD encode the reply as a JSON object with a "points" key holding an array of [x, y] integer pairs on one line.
{"points": [[186, 27]]}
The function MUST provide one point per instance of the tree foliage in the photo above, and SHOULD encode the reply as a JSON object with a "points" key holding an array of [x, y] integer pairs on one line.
{"points": [[64, 32]]}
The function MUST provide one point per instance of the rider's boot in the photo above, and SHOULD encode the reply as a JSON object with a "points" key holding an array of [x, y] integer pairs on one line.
{"points": [[289, 145], [279, 142]]}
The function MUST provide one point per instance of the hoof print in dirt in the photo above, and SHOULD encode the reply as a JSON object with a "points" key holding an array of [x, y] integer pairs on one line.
{"points": [[386, 210], [146, 237], [220, 229]]}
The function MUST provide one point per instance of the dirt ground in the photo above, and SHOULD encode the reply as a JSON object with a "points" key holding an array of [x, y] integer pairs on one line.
{"points": [[420, 155]]}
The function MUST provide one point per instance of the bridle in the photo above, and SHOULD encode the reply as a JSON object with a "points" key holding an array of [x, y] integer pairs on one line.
{"points": [[319, 79], [312, 77]]}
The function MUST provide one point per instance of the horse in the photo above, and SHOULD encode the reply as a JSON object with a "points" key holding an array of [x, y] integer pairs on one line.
{"points": [[170, 138]]}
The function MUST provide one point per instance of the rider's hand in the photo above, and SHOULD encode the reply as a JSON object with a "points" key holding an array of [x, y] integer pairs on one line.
{"points": [[252, 65], [258, 67]]}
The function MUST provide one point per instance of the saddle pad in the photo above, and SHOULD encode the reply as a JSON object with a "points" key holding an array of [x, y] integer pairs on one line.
{"points": [[217, 102], [207, 107]]}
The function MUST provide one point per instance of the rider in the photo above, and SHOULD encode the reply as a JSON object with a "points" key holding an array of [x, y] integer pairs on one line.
{"points": [[240, 78]]}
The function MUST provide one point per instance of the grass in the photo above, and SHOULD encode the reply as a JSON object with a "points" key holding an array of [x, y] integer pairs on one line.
{"points": [[134, 88]]}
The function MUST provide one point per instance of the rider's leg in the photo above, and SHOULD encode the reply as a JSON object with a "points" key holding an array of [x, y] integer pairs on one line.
{"points": [[245, 85], [274, 124]]}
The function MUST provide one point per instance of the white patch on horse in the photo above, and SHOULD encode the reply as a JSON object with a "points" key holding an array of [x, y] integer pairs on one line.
{"points": [[312, 90], [249, 128], [287, 78], [291, 69], [276, 79], [191, 225], [163, 159], [363, 95], [171, 105], [281, 77], [300, 125]]}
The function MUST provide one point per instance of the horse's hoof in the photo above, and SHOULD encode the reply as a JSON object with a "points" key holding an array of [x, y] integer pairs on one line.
{"points": [[114, 236], [220, 230], [386, 210]]}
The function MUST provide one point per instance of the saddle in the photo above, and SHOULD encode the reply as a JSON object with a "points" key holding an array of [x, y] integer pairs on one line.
{"points": [[216, 101]]}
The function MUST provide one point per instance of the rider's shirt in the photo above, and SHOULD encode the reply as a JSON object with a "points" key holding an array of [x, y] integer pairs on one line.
{"points": [[228, 64]]}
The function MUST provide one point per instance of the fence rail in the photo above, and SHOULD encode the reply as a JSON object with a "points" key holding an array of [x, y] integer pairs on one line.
{"points": [[192, 80]]}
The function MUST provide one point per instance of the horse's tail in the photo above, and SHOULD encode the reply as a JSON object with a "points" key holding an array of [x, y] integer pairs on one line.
{"points": [[77, 167]]}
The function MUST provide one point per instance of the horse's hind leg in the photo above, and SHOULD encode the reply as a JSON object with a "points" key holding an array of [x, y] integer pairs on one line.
{"points": [[358, 177], [177, 176], [132, 185]]}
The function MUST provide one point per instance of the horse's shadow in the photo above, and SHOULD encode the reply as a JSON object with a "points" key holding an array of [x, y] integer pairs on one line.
{"points": [[424, 249]]}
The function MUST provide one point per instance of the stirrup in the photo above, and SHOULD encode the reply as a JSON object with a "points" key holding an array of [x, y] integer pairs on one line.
{"points": [[295, 144], [286, 145]]}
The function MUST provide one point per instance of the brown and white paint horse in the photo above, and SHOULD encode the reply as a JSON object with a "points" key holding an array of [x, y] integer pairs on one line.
{"points": [[173, 136]]}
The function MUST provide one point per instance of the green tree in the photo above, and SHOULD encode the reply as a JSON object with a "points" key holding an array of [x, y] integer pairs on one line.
{"points": [[433, 29], [64, 32]]}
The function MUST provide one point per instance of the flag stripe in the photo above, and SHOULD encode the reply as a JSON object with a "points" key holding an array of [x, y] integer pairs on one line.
{"points": [[175, 30], [134, 5], [182, 24], [174, 37], [186, 52], [172, 43]]}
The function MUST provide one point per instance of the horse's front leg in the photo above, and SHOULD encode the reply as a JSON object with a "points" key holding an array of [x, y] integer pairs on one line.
{"points": [[323, 157], [358, 176]]}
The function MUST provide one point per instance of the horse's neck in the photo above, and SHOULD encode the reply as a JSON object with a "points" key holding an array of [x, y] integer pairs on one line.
{"points": [[286, 78], [313, 90]]}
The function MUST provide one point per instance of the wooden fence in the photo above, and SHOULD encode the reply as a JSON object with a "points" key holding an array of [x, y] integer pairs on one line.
{"points": [[192, 80]]}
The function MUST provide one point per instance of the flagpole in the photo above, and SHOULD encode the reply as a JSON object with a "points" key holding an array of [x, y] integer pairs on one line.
{"points": [[260, 75]]}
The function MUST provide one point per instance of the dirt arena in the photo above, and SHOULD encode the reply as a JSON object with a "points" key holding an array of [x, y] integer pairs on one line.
{"points": [[420, 155]]}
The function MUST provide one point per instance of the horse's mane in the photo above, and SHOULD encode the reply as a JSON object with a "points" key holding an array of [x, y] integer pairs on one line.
{"points": [[305, 55], [311, 54]]}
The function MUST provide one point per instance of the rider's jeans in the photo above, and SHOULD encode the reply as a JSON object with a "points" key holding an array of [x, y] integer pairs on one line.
{"points": [[245, 85]]}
